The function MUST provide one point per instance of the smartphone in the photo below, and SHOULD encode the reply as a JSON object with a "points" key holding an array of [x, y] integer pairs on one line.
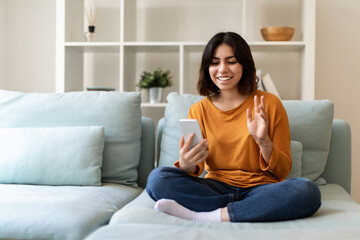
{"points": [[189, 126]]}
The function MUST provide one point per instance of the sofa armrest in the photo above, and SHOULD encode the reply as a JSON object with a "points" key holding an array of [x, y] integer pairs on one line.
{"points": [[160, 128], [338, 166], [147, 157]]}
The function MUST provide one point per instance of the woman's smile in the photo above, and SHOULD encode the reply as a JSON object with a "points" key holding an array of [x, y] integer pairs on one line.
{"points": [[222, 78]]}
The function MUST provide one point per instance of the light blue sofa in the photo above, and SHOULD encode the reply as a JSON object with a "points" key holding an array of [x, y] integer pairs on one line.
{"points": [[321, 151], [69, 161], [74, 165]]}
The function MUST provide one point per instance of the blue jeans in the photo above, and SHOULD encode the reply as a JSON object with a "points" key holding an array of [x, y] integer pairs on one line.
{"points": [[291, 199]]}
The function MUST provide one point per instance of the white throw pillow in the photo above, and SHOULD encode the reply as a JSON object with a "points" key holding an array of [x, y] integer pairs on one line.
{"points": [[52, 156]]}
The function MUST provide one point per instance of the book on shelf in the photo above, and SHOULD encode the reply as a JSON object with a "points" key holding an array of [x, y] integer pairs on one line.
{"points": [[100, 89], [260, 84], [269, 85]]}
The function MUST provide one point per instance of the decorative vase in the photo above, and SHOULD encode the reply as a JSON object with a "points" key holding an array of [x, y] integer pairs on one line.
{"points": [[91, 35], [155, 94]]}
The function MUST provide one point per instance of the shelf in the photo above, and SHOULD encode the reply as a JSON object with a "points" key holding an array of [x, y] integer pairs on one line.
{"points": [[255, 45], [135, 43], [164, 43], [278, 46], [142, 35], [141, 58], [174, 20], [94, 46]]}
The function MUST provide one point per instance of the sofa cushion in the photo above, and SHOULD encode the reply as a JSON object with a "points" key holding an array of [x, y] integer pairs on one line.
{"points": [[118, 112], [59, 212], [51, 156], [177, 108], [338, 211], [296, 156], [310, 123], [163, 231]]}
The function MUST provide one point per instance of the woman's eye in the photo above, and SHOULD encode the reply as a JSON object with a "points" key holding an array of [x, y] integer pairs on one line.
{"points": [[232, 62], [214, 63]]}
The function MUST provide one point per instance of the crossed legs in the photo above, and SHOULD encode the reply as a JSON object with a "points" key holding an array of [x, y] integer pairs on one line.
{"points": [[202, 199]]}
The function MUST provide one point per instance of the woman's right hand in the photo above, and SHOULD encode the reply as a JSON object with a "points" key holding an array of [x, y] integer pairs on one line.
{"points": [[190, 158]]}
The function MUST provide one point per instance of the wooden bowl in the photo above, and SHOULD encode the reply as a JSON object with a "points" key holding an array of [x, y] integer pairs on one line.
{"points": [[277, 33]]}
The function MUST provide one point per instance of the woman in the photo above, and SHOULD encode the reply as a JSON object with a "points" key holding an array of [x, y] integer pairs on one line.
{"points": [[245, 151]]}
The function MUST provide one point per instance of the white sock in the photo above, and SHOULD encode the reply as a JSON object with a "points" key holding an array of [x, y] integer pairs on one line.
{"points": [[173, 208], [213, 216]]}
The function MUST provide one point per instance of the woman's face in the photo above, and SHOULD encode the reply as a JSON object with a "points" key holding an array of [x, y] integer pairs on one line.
{"points": [[225, 71]]}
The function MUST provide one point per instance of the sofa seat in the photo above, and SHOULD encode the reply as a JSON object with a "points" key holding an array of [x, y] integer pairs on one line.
{"points": [[138, 231], [339, 216], [59, 212]]}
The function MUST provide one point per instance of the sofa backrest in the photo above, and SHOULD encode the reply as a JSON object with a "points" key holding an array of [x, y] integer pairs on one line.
{"points": [[147, 157], [338, 166], [311, 123], [118, 112]]}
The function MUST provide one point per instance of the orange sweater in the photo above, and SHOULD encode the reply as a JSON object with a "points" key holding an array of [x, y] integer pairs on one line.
{"points": [[234, 157]]}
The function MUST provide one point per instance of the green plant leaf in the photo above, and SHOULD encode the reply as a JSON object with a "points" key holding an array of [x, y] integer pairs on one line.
{"points": [[156, 79]]}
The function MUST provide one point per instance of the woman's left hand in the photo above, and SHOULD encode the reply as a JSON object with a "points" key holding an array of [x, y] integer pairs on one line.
{"points": [[258, 126]]}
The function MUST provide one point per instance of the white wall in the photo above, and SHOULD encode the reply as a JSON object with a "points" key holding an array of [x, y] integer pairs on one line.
{"points": [[3, 42], [338, 68], [30, 44]]}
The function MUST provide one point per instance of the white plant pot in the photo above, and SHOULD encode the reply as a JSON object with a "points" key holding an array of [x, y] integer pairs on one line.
{"points": [[155, 94]]}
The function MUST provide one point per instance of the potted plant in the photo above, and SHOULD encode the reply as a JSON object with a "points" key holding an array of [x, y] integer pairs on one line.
{"points": [[155, 83]]}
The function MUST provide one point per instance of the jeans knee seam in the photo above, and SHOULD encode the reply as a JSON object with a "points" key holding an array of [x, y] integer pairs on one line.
{"points": [[231, 215]]}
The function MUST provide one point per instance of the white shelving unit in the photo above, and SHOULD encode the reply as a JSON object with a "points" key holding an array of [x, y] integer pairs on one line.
{"points": [[138, 35]]}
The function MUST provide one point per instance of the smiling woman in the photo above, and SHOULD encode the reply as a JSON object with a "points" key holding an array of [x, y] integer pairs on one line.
{"points": [[227, 67], [225, 50], [245, 150], [225, 71]]}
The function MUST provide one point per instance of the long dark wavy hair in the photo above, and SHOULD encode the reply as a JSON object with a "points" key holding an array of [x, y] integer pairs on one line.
{"points": [[248, 81]]}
